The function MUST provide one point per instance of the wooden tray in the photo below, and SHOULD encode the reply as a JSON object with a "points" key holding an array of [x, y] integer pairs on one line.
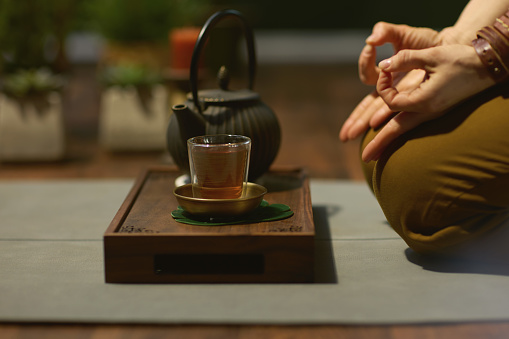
{"points": [[144, 244]]}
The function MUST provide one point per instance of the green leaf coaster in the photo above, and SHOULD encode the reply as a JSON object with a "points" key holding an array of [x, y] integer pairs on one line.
{"points": [[262, 213]]}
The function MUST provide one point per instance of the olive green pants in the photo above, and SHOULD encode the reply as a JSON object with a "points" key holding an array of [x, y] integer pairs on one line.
{"points": [[444, 186]]}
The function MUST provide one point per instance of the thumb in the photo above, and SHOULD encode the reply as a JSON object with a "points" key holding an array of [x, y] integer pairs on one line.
{"points": [[368, 72]]}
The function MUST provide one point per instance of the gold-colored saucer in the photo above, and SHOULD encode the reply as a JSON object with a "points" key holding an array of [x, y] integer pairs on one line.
{"points": [[220, 208]]}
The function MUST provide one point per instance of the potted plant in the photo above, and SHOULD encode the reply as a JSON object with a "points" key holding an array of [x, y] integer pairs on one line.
{"points": [[32, 61], [133, 109], [31, 119]]}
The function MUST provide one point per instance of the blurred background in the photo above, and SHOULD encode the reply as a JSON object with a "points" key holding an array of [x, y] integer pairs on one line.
{"points": [[86, 59]]}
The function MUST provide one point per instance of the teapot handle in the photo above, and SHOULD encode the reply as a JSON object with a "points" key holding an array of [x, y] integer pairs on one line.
{"points": [[202, 38]]}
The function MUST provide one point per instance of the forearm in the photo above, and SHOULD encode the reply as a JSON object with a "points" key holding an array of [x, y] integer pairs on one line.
{"points": [[476, 15]]}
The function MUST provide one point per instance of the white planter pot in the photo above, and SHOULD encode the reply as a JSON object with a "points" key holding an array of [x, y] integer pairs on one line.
{"points": [[126, 125], [30, 134]]}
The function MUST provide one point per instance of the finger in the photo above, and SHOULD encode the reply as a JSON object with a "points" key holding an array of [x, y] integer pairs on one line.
{"points": [[385, 87], [384, 32], [402, 36], [410, 81], [355, 115], [381, 116], [358, 118], [407, 60], [397, 126], [405, 81], [362, 124], [368, 71], [402, 62]]}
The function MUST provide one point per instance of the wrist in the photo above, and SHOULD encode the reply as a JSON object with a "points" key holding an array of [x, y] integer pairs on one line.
{"points": [[492, 47], [490, 60], [454, 35]]}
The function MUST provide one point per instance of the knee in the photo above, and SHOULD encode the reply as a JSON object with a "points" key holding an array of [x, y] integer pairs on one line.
{"points": [[442, 184], [433, 203]]}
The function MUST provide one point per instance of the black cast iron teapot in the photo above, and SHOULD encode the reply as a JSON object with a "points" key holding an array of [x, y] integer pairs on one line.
{"points": [[225, 111]]}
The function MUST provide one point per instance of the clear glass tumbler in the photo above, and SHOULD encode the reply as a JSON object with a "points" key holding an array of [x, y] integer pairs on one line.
{"points": [[219, 165]]}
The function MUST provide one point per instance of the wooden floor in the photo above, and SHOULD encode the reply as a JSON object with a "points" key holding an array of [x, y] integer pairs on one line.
{"points": [[311, 102]]}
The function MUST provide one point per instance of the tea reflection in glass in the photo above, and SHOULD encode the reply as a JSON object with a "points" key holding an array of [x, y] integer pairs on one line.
{"points": [[219, 165]]}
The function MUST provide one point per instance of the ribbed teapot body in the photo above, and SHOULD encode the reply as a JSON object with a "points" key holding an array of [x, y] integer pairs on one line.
{"points": [[257, 122]]}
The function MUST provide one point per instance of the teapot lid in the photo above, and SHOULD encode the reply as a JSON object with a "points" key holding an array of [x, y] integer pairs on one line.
{"points": [[224, 95], [220, 96]]}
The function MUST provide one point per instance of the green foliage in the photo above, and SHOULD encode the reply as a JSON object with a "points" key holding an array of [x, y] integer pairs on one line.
{"points": [[142, 20], [24, 27], [26, 83], [32, 31], [129, 75], [190, 12]]}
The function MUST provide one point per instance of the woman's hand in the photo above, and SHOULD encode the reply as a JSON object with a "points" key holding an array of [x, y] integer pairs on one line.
{"points": [[372, 110], [401, 37], [452, 74]]}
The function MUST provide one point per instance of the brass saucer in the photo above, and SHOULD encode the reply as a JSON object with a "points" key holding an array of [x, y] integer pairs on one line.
{"points": [[220, 208]]}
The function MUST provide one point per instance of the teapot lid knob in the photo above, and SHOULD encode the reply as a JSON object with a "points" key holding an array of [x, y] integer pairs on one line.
{"points": [[223, 78], [223, 95]]}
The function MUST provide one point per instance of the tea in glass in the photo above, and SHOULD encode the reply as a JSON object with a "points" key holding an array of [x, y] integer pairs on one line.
{"points": [[219, 165]]}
